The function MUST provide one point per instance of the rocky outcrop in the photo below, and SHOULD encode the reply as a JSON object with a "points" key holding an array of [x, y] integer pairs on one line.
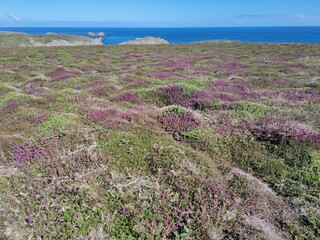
{"points": [[61, 42], [100, 34], [146, 40], [11, 39], [314, 83]]}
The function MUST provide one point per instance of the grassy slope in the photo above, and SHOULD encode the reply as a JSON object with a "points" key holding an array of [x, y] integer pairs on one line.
{"points": [[8, 39], [203, 141]]}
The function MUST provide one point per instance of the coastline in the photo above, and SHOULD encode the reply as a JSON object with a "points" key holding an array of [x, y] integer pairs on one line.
{"points": [[50, 39], [20, 39], [190, 35]]}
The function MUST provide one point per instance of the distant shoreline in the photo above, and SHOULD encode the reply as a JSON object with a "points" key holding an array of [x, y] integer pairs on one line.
{"points": [[50, 39], [115, 35], [19, 39]]}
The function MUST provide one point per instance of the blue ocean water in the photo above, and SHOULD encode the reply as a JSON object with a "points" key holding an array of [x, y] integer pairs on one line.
{"points": [[190, 35]]}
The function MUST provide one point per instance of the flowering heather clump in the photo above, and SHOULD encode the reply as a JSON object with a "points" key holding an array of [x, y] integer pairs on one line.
{"points": [[278, 130], [50, 57], [126, 65], [60, 74], [232, 65], [184, 213], [172, 95], [298, 96], [237, 73], [165, 75], [152, 58], [225, 97], [29, 152], [80, 100], [38, 91], [179, 65], [200, 68], [126, 116], [100, 115], [240, 90], [87, 68], [200, 100], [87, 101], [99, 91], [177, 121], [7, 66], [10, 107], [134, 84], [126, 97], [36, 119]]}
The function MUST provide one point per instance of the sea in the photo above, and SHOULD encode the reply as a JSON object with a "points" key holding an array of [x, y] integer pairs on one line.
{"points": [[190, 35]]}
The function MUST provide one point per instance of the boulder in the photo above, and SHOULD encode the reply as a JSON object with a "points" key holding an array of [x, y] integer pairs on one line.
{"points": [[101, 34], [314, 82]]}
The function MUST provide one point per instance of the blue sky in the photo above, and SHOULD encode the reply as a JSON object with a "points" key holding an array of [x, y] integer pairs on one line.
{"points": [[159, 13]]}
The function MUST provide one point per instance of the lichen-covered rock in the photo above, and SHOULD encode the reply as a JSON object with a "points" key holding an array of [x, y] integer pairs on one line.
{"points": [[146, 40], [314, 82]]}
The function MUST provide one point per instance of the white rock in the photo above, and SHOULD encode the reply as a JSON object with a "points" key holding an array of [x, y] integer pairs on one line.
{"points": [[146, 41]]}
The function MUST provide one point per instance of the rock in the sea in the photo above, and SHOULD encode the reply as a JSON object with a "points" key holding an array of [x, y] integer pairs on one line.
{"points": [[91, 34], [314, 82], [146, 40], [100, 34]]}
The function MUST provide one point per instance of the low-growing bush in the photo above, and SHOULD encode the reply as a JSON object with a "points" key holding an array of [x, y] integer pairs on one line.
{"points": [[201, 100], [279, 130], [126, 97], [60, 73], [171, 95], [29, 152], [248, 109], [176, 121]]}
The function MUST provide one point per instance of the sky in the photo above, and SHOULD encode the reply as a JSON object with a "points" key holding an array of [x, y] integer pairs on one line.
{"points": [[158, 13]]}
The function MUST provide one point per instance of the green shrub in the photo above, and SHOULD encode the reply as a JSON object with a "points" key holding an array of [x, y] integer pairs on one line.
{"points": [[248, 109]]}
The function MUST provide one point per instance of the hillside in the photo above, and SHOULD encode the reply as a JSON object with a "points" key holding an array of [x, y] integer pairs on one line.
{"points": [[15, 39], [201, 141]]}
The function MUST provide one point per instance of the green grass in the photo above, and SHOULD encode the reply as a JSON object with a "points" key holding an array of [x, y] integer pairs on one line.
{"points": [[55, 125], [12, 95], [248, 109], [9, 59], [119, 173]]}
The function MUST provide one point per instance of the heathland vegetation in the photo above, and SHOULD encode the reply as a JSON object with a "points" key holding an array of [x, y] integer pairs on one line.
{"points": [[199, 141]]}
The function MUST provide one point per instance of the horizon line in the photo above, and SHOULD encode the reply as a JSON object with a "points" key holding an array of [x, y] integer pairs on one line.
{"points": [[266, 26]]}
